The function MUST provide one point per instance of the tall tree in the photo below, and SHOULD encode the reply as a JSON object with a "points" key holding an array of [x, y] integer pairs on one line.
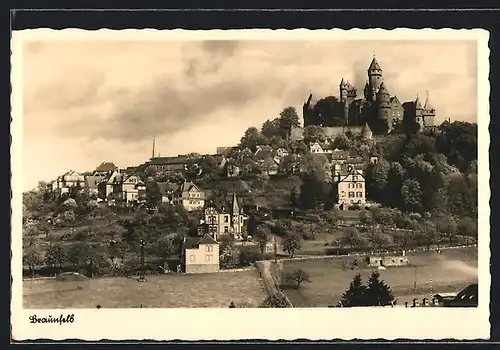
{"points": [[356, 294], [288, 119], [378, 293]]}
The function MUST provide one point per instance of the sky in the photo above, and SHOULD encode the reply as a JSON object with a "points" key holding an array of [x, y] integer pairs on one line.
{"points": [[86, 102]]}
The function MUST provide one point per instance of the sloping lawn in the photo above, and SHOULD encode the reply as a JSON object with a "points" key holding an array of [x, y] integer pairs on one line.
{"points": [[451, 271], [168, 291]]}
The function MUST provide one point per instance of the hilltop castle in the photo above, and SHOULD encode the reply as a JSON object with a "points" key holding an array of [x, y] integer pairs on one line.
{"points": [[377, 109]]}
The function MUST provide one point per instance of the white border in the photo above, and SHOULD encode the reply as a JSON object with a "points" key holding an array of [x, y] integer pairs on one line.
{"points": [[270, 324]]}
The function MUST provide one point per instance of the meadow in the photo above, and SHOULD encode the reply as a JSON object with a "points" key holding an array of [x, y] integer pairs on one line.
{"points": [[450, 271], [165, 291]]}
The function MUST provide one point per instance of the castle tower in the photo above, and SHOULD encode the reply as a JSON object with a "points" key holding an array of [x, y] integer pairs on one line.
{"points": [[367, 91], [419, 112], [306, 111], [343, 90], [384, 104], [375, 78], [429, 112]]}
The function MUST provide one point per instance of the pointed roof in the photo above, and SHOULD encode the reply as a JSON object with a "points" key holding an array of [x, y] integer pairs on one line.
{"points": [[427, 105], [383, 90], [418, 105], [194, 242], [374, 65], [343, 82], [236, 207], [366, 128], [106, 166]]}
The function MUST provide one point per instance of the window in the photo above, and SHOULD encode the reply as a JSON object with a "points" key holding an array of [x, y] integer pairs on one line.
{"points": [[343, 194], [359, 185], [351, 194], [226, 218], [208, 258], [209, 248], [191, 258], [226, 229], [359, 194], [354, 178]]}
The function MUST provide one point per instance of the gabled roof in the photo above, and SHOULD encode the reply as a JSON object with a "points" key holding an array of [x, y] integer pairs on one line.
{"points": [[194, 242], [374, 65], [188, 186], [106, 166], [126, 179], [427, 105], [269, 162], [394, 99], [113, 177], [261, 155]]}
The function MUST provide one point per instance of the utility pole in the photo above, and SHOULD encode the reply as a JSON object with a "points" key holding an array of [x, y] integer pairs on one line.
{"points": [[142, 277], [414, 278]]}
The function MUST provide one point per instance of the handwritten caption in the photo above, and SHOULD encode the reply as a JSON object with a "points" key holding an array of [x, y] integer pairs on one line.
{"points": [[57, 320]]}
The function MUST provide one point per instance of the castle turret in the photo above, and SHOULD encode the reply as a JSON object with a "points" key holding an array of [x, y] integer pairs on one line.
{"points": [[384, 104], [429, 112], [343, 90], [374, 77], [419, 112]]}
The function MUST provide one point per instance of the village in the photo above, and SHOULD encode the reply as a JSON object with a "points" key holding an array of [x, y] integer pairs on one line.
{"points": [[287, 207]]}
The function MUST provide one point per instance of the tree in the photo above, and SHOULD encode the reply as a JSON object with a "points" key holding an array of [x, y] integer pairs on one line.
{"points": [[288, 119], [342, 142], [78, 254], [447, 226], [411, 195], [271, 128], [56, 256], [356, 294], [297, 276], [262, 236], [164, 249], [153, 194], [378, 293], [352, 238], [291, 243], [379, 239], [229, 256], [32, 259], [251, 139], [314, 133], [467, 227]]}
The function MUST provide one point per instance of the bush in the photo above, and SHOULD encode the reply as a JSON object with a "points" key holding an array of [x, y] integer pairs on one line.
{"points": [[249, 257], [355, 207]]}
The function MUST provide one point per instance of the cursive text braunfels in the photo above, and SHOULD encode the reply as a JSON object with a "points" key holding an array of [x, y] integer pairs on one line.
{"points": [[60, 320]]}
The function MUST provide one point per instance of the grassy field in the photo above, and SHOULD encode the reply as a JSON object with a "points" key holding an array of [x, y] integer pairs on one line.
{"points": [[451, 271], [202, 290]]}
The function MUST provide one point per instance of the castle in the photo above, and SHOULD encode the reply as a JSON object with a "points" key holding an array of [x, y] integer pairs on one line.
{"points": [[376, 109]]}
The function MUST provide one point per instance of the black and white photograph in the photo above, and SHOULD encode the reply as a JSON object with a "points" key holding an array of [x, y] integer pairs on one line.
{"points": [[181, 174]]}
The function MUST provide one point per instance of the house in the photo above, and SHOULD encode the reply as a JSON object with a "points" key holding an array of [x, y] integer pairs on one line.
{"points": [[315, 147], [70, 179], [106, 188], [92, 183], [232, 170], [190, 196], [262, 153], [168, 164], [281, 152], [200, 255], [131, 189], [167, 189], [350, 183], [225, 219], [338, 156], [104, 169], [269, 166]]}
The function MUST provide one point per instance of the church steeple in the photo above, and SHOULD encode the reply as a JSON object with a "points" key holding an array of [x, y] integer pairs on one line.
{"points": [[236, 207]]}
